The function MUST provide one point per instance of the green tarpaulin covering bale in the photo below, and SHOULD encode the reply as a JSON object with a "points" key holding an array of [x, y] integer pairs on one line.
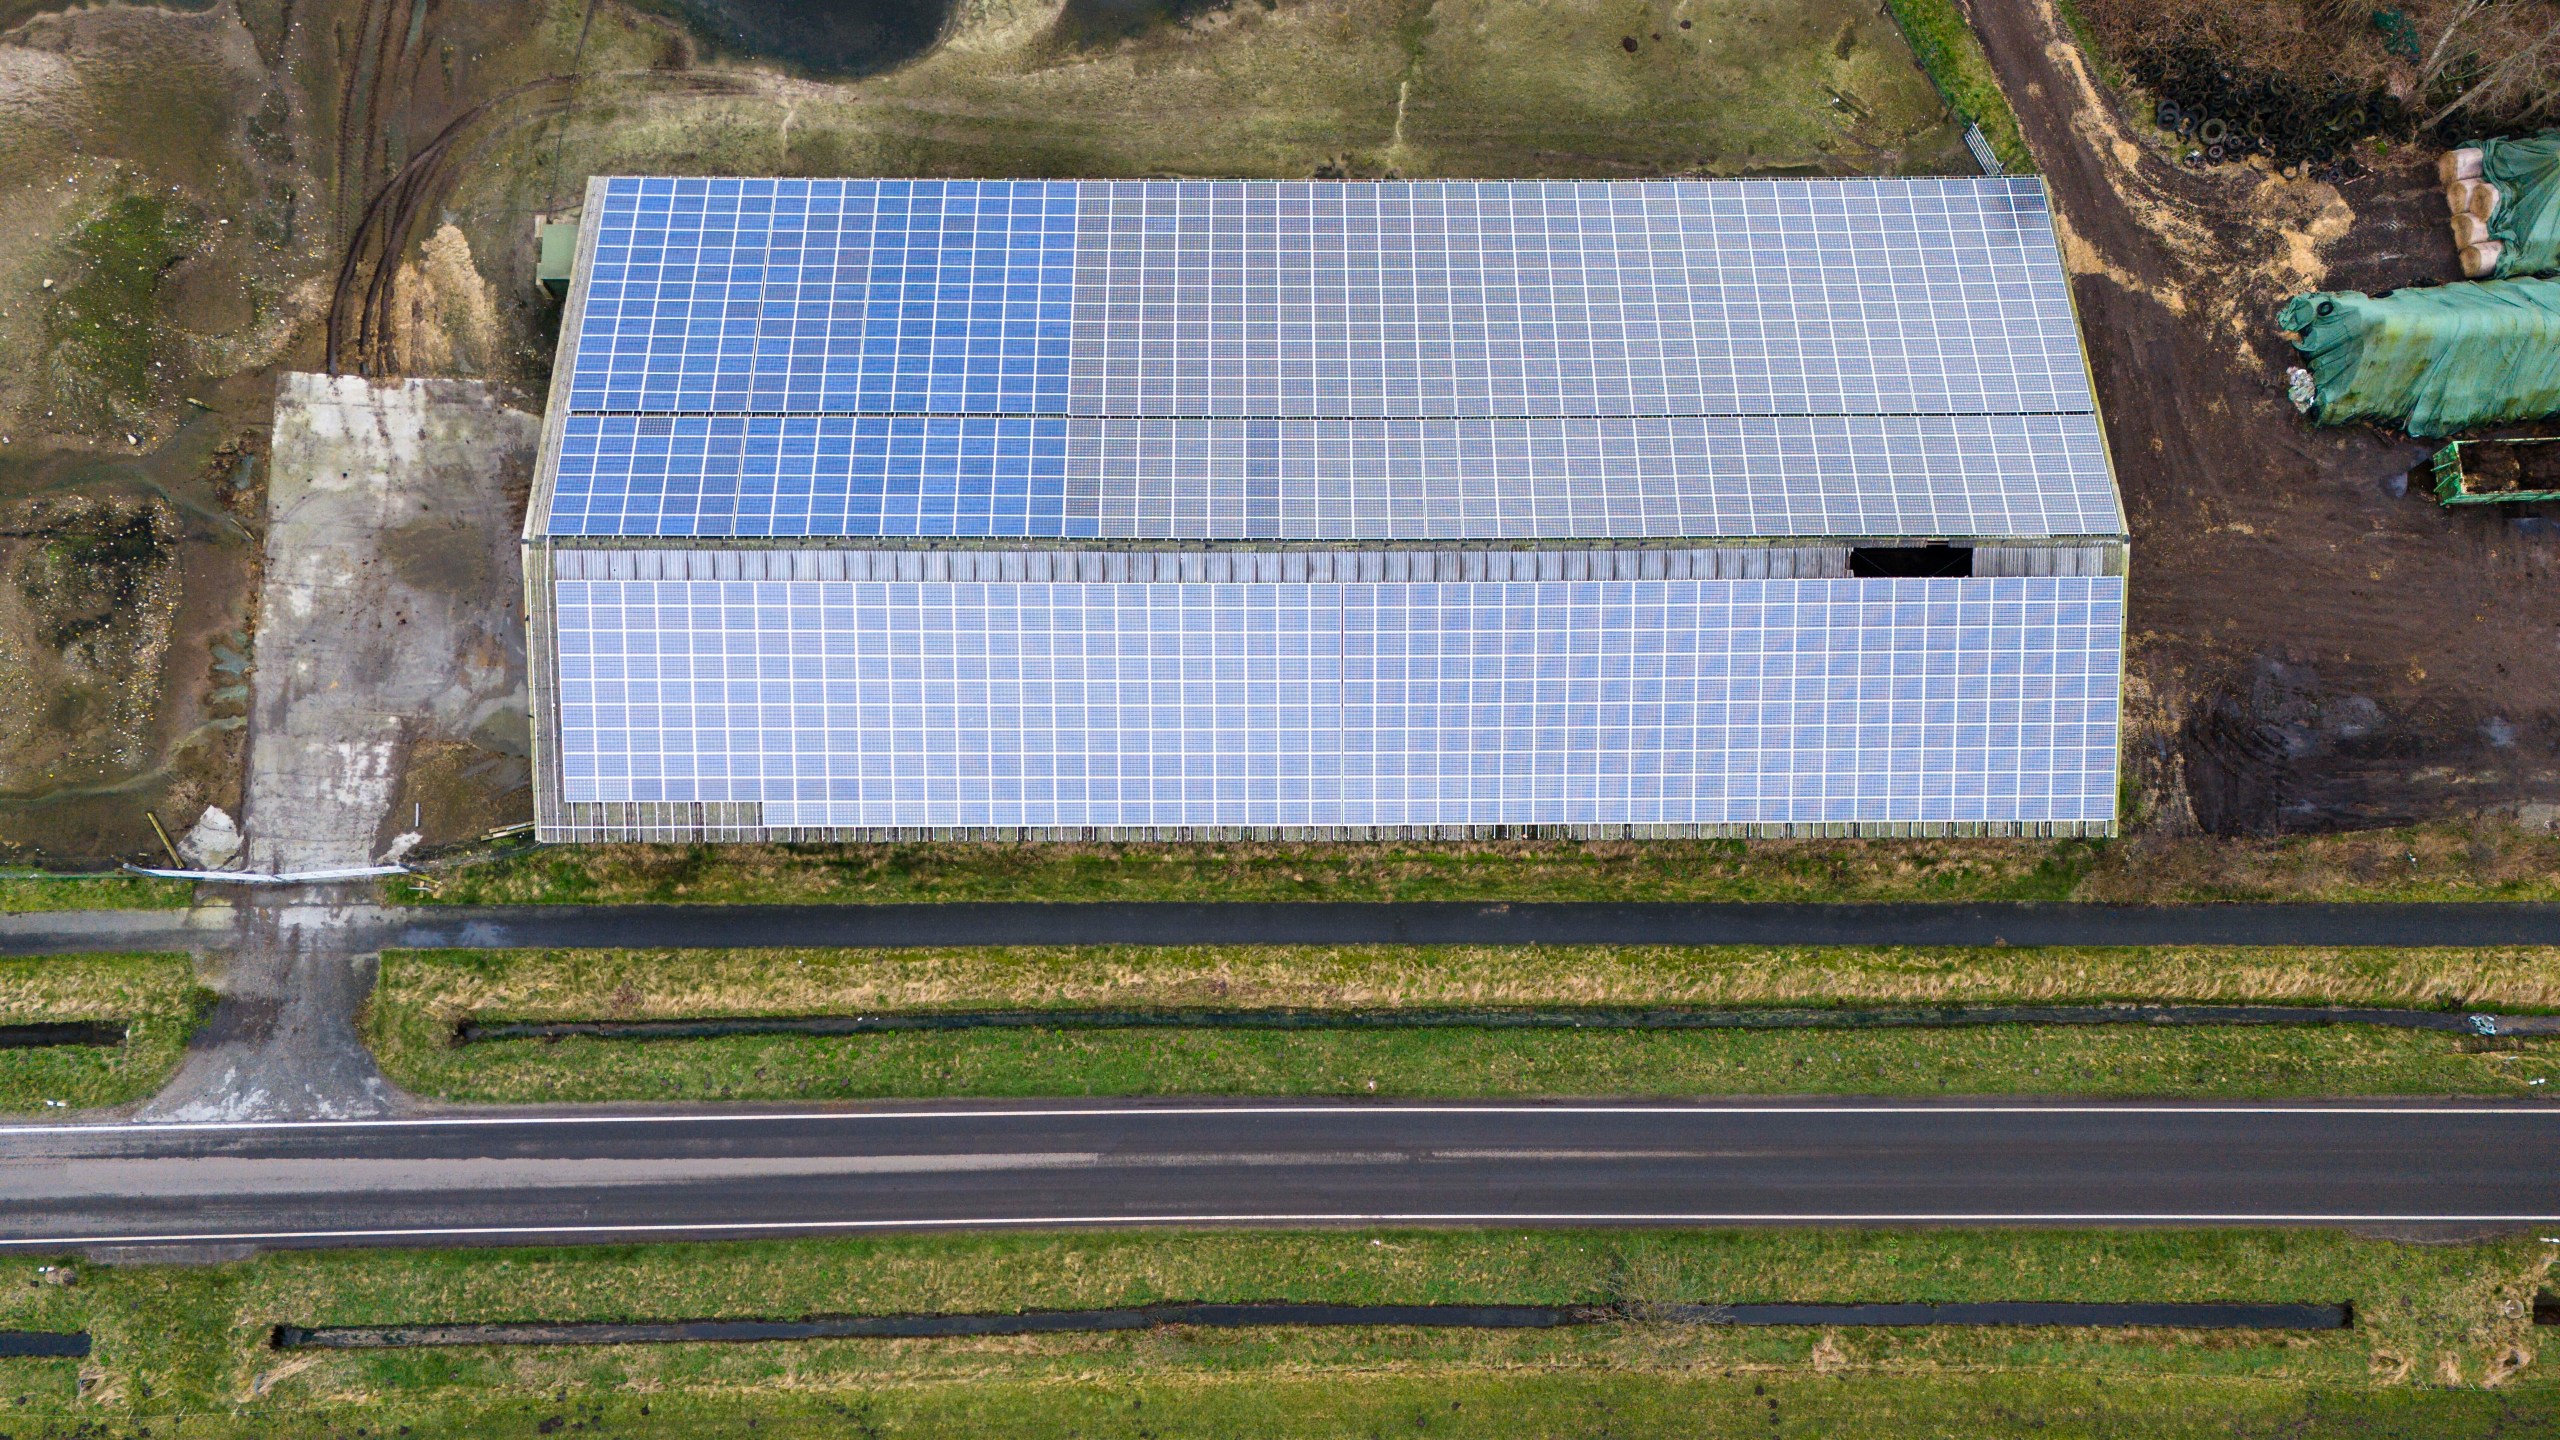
{"points": [[2431, 361], [2527, 220]]}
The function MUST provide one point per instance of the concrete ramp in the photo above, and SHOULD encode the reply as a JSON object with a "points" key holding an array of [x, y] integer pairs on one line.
{"points": [[390, 619], [391, 611]]}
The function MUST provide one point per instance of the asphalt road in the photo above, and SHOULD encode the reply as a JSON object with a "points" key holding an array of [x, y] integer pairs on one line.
{"points": [[520, 1179], [373, 927]]}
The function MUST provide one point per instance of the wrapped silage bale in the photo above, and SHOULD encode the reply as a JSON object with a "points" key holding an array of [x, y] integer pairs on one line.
{"points": [[2433, 361], [2515, 193]]}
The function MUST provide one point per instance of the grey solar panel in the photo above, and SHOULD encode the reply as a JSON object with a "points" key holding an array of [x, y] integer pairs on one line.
{"points": [[915, 705], [1590, 478], [1791, 297]]}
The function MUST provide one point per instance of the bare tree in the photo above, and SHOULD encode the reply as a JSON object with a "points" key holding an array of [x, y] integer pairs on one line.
{"points": [[2522, 61], [2464, 12]]}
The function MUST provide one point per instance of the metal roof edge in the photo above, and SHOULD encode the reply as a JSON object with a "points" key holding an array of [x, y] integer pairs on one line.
{"points": [[564, 362]]}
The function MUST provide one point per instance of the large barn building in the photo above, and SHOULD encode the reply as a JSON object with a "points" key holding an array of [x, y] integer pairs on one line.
{"points": [[878, 509]]}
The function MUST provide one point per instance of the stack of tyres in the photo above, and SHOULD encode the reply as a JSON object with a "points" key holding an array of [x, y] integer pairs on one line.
{"points": [[2229, 114]]}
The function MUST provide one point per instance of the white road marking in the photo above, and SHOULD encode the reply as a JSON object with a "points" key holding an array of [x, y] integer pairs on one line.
{"points": [[247, 1237], [232, 1176], [2537, 1109]]}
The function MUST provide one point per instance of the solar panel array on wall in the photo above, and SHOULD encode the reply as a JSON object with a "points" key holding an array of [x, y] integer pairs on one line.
{"points": [[876, 508]]}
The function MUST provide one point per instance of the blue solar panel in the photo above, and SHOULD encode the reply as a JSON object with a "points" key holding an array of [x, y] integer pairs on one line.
{"points": [[870, 296], [886, 704], [908, 475], [1590, 478]]}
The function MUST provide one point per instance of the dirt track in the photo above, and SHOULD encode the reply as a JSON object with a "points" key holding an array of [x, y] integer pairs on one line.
{"points": [[2314, 646]]}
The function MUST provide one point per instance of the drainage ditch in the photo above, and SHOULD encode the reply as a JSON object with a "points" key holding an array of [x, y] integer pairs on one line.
{"points": [[40, 1034], [44, 1344], [1230, 1316], [2030, 1312], [471, 1032]]}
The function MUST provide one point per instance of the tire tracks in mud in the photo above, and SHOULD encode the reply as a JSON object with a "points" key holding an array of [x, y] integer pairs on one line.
{"points": [[361, 309], [2259, 541]]}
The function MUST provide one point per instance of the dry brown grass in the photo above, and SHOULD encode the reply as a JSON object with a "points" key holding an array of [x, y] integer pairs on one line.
{"points": [[2308, 39], [2484, 860], [1384, 870], [567, 984]]}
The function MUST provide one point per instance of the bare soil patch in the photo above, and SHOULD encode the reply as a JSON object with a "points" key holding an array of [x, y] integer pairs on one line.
{"points": [[2314, 645]]}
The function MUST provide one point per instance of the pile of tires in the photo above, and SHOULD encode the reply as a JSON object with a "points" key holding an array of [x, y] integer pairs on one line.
{"points": [[2229, 113]]}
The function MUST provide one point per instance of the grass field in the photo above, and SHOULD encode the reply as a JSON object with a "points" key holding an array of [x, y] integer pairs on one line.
{"points": [[2442, 1345], [1952, 55], [2441, 862], [422, 996], [1370, 87], [155, 995]]}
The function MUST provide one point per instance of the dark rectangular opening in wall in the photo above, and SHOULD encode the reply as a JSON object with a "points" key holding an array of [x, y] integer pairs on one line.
{"points": [[1910, 562]]}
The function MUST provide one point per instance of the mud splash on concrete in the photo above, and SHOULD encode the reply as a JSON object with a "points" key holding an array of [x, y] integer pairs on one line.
{"points": [[389, 616]]}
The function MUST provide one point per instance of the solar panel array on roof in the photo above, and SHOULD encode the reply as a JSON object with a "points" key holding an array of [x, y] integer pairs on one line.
{"points": [[880, 508], [1554, 477], [1426, 354], [916, 705]]}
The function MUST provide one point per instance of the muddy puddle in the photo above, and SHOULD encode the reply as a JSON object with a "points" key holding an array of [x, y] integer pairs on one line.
{"points": [[14, 11], [2298, 748], [1093, 22], [828, 38], [125, 612]]}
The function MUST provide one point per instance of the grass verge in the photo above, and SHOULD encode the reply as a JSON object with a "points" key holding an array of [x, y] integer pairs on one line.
{"points": [[1952, 54], [155, 995], [2085, 35], [421, 996], [2449, 1318], [1513, 870], [2483, 861], [21, 895]]}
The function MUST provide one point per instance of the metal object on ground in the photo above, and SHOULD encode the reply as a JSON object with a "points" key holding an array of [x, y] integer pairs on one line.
{"points": [[261, 877], [2498, 472], [1980, 146]]}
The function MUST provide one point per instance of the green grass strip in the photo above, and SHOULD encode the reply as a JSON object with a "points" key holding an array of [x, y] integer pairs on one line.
{"points": [[1953, 56], [23, 894], [422, 996], [2435, 1324], [1451, 1064], [156, 996]]}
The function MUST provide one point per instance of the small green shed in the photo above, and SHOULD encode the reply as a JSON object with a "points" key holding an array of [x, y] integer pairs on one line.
{"points": [[559, 239]]}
